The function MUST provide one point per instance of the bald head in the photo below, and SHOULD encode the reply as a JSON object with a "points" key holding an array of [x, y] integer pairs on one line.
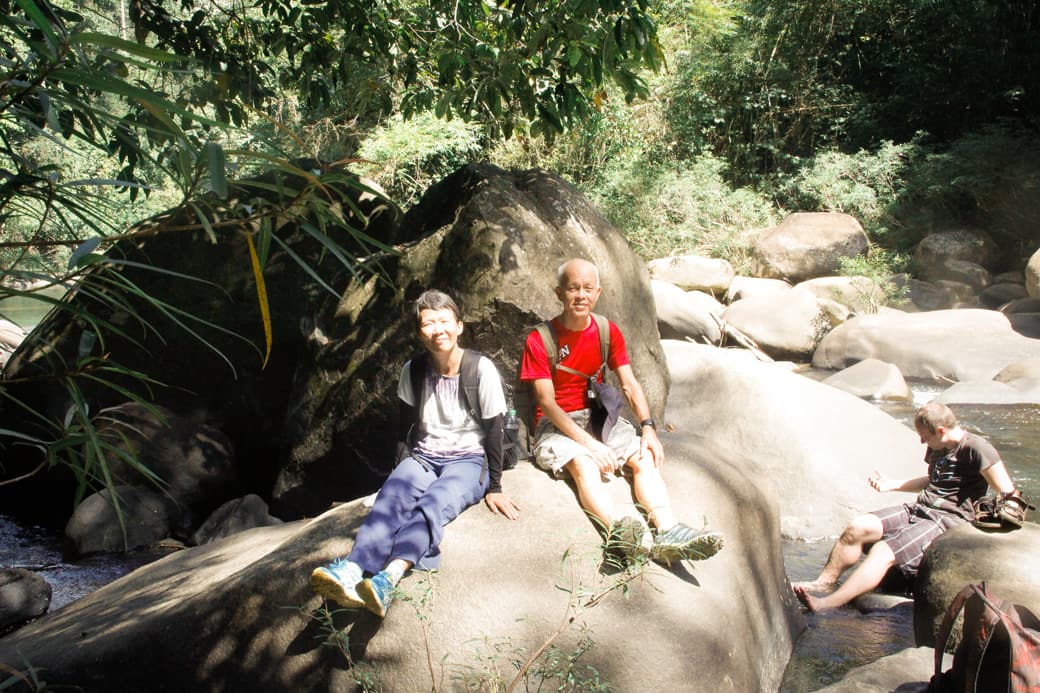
{"points": [[575, 267]]}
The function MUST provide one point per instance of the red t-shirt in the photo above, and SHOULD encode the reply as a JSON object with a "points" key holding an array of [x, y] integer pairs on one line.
{"points": [[577, 350]]}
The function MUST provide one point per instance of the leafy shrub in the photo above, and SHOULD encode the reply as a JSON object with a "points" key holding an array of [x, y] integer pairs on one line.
{"points": [[406, 156], [865, 185], [685, 208]]}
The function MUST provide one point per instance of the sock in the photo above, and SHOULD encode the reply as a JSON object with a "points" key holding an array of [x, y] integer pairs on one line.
{"points": [[395, 570]]}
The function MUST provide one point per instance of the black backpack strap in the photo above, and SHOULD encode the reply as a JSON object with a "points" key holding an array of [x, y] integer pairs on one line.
{"points": [[411, 420], [469, 392], [469, 384]]}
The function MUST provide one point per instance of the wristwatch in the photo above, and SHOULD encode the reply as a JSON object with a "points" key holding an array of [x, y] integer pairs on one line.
{"points": [[648, 422]]}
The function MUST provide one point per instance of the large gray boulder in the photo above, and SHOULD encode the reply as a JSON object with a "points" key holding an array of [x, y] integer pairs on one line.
{"points": [[139, 517], [793, 432], [988, 392], [858, 294], [212, 363], [194, 460], [235, 516], [1033, 275], [951, 344], [24, 595], [784, 324], [871, 379], [746, 287], [907, 671], [806, 245], [694, 273], [934, 250], [493, 240], [1007, 561], [686, 314], [238, 614]]}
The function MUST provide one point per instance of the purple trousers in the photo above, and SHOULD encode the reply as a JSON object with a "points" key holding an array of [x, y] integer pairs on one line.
{"points": [[420, 497]]}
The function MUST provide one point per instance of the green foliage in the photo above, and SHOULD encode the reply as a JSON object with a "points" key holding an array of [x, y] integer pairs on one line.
{"points": [[406, 156], [987, 179], [794, 78], [682, 209], [865, 185], [883, 268]]}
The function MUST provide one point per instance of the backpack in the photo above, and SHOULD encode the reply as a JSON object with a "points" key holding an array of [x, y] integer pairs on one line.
{"points": [[999, 649], [604, 400], [469, 393]]}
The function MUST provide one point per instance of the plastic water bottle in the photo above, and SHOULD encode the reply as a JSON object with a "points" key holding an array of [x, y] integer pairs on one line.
{"points": [[510, 439]]}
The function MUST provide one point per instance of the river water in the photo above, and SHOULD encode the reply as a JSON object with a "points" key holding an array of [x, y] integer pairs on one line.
{"points": [[832, 644]]}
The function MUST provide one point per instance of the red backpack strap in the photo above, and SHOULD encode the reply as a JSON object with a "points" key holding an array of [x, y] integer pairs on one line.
{"points": [[943, 634]]}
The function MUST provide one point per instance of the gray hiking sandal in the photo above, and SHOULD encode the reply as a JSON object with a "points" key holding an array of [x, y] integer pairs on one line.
{"points": [[682, 542], [628, 542]]}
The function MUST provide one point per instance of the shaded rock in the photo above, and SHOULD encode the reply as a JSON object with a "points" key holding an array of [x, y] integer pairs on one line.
{"points": [[785, 325], [24, 595], [908, 671], [143, 518], [1010, 277], [964, 272], [934, 250], [958, 294], [238, 614], [871, 379], [682, 314], [694, 273], [1032, 272], [927, 296], [194, 460], [858, 294], [747, 287], [1022, 305], [1026, 324], [819, 479], [997, 295], [233, 517], [493, 240], [217, 367], [1007, 561], [949, 344], [806, 245]]}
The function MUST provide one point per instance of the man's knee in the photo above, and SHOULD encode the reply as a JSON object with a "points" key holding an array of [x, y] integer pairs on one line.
{"points": [[582, 470], [637, 465], [865, 528]]}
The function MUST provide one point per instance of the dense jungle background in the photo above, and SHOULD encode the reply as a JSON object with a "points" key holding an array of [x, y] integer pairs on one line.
{"points": [[687, 122]]}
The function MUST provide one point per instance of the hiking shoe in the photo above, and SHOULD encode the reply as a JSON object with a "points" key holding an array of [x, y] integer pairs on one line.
{"points": [[627, 542], [685, 543], [338, 582], [377, 592]]}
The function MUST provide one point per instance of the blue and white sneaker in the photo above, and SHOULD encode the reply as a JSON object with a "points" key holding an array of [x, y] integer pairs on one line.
{"points": [[338, 582], [377, 592]]}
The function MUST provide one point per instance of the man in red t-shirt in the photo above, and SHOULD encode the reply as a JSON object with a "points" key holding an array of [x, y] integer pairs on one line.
{"points": [[563, 442]]}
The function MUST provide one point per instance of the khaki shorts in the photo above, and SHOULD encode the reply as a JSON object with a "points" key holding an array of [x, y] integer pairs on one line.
{"points": [[553, 450]]}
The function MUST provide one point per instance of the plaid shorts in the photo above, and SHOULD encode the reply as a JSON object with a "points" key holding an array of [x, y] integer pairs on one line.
{"points": [[909, 530], [553, 450]]}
